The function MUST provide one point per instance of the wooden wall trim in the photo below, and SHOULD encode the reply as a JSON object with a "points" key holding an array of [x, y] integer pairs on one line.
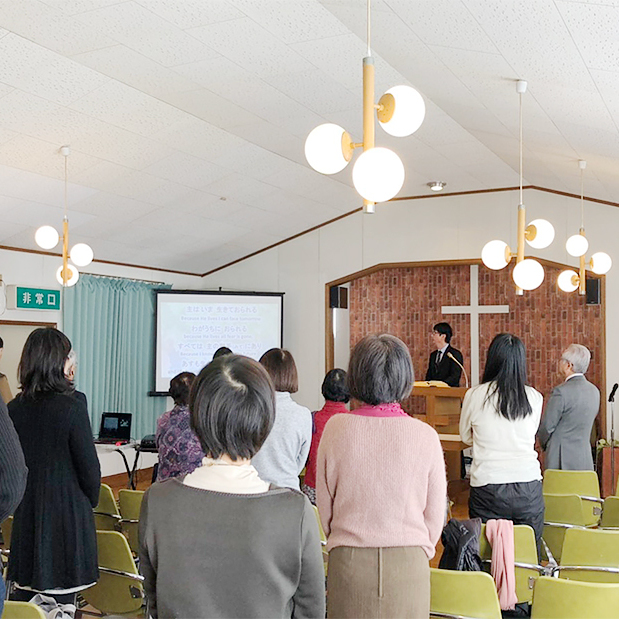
{"points": [[28, 323]]}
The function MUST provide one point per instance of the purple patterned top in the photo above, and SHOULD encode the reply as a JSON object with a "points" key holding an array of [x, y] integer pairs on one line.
{"points": [[179, 449]]}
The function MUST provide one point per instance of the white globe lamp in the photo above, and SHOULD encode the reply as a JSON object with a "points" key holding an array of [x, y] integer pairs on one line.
{"points": [[46, 237], [568, 280], [528, 274], [81, 254], [544, 234], [577, 245], [378, 174], [494, 255], [73, 275], [402, 112], [324, 148], [601, 263]]}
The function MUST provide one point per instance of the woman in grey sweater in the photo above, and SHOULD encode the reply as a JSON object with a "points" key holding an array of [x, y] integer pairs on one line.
{"points": [[221, 542]]}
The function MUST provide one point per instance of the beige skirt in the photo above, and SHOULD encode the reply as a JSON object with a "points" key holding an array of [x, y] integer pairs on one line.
{"points": [[378, 583]]}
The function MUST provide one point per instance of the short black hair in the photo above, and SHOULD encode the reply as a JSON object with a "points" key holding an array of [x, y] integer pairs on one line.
{"points": [[224, 350], [335, 386], [180, 386], [380, 370], [41, 367], [444, 328], [1, 343], [232, 404], [282, 369]]}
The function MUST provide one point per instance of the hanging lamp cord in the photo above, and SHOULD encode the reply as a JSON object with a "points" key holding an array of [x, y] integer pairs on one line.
{"points": [[369, 30], [520, 137], [582, 199]]}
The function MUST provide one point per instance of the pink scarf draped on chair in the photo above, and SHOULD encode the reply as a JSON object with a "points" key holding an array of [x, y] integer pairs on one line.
{"points": [[500, 534]]}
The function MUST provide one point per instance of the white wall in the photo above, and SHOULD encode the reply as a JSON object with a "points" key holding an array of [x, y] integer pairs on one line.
{"points": [[437, 228], [38, 271]]}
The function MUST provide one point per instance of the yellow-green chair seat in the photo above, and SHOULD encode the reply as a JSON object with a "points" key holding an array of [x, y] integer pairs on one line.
{"points": [[463, 594], [561, 512], [22, 610], [569, 599], [130, 503], [107, 516], [583, 483]]}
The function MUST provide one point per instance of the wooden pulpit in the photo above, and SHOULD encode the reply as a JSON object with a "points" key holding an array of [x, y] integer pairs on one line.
{"points": [[443, 406]]}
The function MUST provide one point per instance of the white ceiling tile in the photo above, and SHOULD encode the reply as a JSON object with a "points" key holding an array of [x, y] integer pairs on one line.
{"points": [[51, 28], [293, 22], [187, 170], [112, 206], [251, 46], [192, 13], [427, 19], [126, 107], [178, 196], [73, 7], [211, 107], [585, 23], [35, 214], [9, 229], [146, 33], [32, 68], [134, 69], [44, 158]]}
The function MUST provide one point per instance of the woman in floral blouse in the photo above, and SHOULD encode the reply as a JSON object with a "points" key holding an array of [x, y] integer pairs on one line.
{"points": [[179, 449]]}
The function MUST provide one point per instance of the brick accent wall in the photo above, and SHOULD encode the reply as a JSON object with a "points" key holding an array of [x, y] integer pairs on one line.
{"points": [[406, 301]]}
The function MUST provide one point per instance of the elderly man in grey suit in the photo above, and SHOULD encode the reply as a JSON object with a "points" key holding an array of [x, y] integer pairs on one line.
{"points": [[565, 431]]}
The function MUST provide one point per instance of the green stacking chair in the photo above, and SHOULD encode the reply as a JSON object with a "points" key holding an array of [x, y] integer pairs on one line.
{"points": [[610, 515], [22, 610], [525, 554], [107, 516], [562, 512], [130, 503], [119, 589], [457, 595], [590, 555], [583, 483], [556, 598]]}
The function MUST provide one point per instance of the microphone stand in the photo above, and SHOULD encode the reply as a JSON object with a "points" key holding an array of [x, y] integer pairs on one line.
{"points": [[612, 442], [466, 378]]}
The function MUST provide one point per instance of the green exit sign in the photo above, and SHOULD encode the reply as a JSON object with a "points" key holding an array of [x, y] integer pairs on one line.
{"points": [[19, 297]]}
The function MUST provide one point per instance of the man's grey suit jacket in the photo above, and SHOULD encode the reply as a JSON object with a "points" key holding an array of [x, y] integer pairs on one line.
{"points": [[565, 430]]}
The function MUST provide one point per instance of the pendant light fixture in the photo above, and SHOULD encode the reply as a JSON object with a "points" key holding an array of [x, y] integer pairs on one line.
{"points": [[47, 237], [378, 173], [577, 246], [528, 274]]}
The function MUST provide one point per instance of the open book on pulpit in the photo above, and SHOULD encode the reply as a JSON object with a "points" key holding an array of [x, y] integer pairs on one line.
{"points": [[430, 383]]}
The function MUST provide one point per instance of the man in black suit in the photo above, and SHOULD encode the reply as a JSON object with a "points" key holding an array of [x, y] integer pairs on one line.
{"points": [[441, 367]]}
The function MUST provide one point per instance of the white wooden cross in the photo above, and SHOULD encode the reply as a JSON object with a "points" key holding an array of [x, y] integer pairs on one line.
{"points": [[474, 309]]}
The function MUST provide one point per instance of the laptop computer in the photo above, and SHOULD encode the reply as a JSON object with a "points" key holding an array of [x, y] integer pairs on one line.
{"points": [[115, 428]]}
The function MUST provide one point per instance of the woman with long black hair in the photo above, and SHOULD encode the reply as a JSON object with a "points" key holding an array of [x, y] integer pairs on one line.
{"points": [[500, 418], [53, 544]]}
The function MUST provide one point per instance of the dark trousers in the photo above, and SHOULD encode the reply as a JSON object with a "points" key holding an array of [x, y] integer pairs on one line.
{"points": [[24, 595], [522, 502]]}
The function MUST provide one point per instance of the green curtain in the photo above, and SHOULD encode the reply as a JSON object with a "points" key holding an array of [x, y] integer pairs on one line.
{"points": [[111, 324]]}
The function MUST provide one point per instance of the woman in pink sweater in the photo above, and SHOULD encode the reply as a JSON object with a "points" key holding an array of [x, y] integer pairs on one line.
{"points": [[381, 488]]}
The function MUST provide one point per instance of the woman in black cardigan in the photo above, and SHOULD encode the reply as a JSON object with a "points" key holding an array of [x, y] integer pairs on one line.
{"points": [[53, 544]]}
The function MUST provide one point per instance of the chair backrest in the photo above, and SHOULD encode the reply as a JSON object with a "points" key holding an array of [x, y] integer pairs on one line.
{"points": [[525, 555], [7, 528], [610, 515], [590, 548], [107, 516], [569, 599], [119, 588], [560, 509], [463, 594], [22, 610], [130, 503], [582, 483]]}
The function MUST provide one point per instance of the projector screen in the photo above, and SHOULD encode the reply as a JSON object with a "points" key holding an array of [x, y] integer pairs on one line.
{"points": [[192, 325]]}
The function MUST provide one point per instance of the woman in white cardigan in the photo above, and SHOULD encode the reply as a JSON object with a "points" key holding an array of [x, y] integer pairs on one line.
{"points": [[500, 419]]}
